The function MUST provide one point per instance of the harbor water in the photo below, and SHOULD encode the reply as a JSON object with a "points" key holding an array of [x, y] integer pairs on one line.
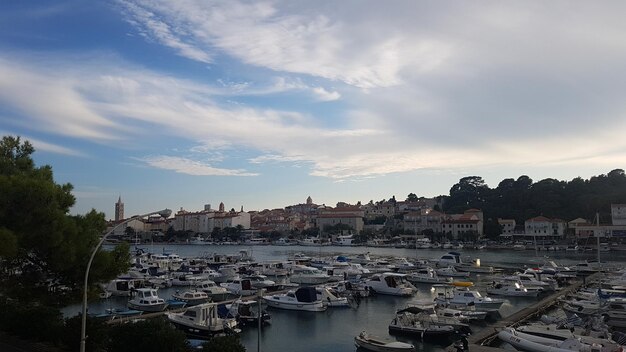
{"points": [[335, 328]]}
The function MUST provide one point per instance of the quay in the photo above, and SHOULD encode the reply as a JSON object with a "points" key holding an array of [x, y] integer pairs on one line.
{"points": [[480, 341]]}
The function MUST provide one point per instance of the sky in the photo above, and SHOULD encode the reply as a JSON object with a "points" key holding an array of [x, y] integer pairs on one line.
{"points": [[260, 104]]}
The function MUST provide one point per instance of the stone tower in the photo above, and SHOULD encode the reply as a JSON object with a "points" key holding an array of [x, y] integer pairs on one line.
{"points": [[309, 200], [221, 207], [119, 209]]}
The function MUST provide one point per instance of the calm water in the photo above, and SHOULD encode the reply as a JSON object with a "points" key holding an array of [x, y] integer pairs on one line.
{"points": [[334, 329]]}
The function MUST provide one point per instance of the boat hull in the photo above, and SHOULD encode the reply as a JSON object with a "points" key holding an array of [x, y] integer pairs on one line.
{"points": [[308, 307], [379, 346]]}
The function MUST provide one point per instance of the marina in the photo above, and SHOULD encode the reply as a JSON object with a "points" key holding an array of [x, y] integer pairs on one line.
{"points": [[334, 329]]}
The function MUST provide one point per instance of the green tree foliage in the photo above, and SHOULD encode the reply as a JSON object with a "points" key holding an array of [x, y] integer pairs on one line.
{"points": [[412, 197], [155, 335], [522, 198], [44, 249], [223, 344]]}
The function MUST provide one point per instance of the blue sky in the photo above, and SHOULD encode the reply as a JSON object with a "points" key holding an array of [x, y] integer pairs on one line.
{"points": [[263, 103]]}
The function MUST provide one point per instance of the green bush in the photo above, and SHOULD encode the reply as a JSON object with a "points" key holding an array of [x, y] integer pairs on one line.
{"points": [[153, 335], [97, 334]]}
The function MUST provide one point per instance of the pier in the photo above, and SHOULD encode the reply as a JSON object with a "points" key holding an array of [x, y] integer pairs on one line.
{"points": [[480, 341]]}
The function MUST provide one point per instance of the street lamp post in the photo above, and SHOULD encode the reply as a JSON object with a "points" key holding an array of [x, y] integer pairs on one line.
{"points": [[165, 213]]}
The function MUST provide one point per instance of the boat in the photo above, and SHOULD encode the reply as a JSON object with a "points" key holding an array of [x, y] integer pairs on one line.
{"points": [[406, 323], [513, 289], [427, 276], [304, 298], [239, 287], [533, 343], [344, 240], [247, 313], [391, 284], [615, 314], [191, 298], [146, 300], [376, 344], [331, 298], [466, 298], [202, 321], [117, 313], [308, 275], [259, 281], [212, 289], [450, 271]]}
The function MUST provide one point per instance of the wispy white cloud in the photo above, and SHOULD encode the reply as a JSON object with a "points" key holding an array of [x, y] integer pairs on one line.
{"points": [[151, 26], [41, 146], [302, 41], [191, 167]]}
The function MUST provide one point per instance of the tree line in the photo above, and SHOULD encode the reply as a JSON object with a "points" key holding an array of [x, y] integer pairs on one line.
{"points": [[521, 199]]}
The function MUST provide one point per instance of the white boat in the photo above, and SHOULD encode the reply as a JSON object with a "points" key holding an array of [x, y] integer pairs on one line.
{"points": [[528, 342], [119, 287], [513, 289], [192, 298], [362, 258], [427, 276], [562, 333], [202, 321], [582, 307], [146, 300], [406, 323], [469, 297], [450, 271], [615, 314], [344, 240], [346, 270], [239, 287], [259, 281], [331, 298], [212, 289], [274, 269], [391, 284], [304, 298], [307, 275], [376, 344]]}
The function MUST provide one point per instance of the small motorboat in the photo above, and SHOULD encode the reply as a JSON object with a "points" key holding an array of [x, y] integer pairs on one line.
{"points": [[147, 300], [192, 298], [376, 344]]}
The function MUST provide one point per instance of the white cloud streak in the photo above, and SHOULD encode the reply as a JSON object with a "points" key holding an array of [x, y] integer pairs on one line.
{"points": [[191, 167]]}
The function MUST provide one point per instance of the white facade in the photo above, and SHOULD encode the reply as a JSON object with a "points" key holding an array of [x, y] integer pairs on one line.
{"points": [[618, 214]]}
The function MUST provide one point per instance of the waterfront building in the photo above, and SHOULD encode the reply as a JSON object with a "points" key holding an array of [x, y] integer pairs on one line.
{"points": [[545, 227], [459, 225], [351, 216], [507, 225]]}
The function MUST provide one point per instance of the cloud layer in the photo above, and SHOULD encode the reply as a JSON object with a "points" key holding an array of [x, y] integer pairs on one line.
{"points": [[387, 88]]}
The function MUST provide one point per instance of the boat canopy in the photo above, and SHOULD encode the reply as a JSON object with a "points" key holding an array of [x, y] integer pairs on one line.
{"points": [[306, 294]]}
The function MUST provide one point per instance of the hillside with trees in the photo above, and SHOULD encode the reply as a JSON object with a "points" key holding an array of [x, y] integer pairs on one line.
{"points": [[521, 198]]}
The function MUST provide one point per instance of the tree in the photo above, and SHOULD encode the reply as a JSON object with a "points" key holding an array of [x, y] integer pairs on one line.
{"points": [[223, 344], [43, 247], [149, 335], [412, 197]]}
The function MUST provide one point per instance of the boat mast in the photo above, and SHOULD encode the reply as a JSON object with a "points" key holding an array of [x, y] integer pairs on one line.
{"points": [[597, 233]]}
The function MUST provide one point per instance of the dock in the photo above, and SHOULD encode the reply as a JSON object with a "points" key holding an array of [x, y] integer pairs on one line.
{"points": [[480, 341]]}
